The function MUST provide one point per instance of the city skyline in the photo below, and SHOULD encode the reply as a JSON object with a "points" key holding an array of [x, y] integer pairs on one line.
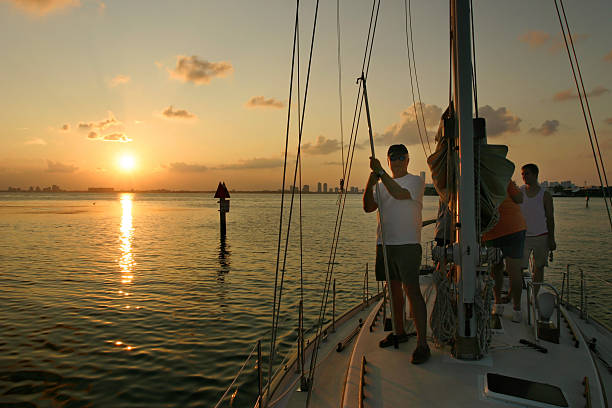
{"points": [[100, 93]]}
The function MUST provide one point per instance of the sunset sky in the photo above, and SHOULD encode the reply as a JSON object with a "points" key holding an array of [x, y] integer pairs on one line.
{"points": [[184, 94]]}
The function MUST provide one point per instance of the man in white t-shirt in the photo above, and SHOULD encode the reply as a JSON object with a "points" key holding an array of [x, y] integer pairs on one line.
{"points": [[401, 203], [537, 208]]}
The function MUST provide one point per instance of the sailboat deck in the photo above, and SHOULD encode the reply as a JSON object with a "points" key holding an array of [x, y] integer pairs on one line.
{"points": [[392, 381]]}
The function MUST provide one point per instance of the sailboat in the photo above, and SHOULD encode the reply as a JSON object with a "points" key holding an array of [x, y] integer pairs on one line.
{"points": [[557, 356]]}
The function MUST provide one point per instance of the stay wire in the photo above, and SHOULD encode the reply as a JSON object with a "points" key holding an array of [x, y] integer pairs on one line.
{"points": [[474, 81], [352, 143], [301, 127], [580, 96], [416, 76], [280, 228], [586, 99], [416, 115], [340, 87]]}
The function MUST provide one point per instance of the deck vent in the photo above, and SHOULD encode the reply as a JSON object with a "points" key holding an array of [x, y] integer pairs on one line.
{"points": [[525, 392]]}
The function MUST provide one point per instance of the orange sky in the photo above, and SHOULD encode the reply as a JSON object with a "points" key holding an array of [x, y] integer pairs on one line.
{"points": [[197, 92]]}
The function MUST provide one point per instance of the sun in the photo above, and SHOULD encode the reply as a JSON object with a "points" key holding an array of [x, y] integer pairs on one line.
{"points": [[127, 162]]}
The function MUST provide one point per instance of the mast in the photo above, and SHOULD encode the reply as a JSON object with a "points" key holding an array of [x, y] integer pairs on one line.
{"points": [[467, 249]]}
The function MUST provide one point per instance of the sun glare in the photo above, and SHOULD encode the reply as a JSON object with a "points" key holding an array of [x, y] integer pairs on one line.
{"points": [[127, 163]]}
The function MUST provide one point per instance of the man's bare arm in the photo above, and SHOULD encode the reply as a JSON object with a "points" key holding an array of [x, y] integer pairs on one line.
{"points": [[396, 191], [369, 204], [549, 212]]}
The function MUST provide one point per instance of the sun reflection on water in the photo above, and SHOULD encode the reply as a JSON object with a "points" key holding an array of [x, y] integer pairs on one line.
{"points": [[126, 262]]}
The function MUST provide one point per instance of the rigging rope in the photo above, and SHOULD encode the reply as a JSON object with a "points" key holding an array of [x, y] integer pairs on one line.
{"points": [[582, 94], [408, 23], [342, 201], [340, 87], [280, 227]]}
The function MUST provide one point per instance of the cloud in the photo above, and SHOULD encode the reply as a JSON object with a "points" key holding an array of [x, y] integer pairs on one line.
{"points": [[65, 127], [112, 137], [57, 167], [262, 102], [499, 121], [42, 7], [548, 128], [256, 163], [100, 125], [571, 94], [539, 39], [608, 57], [608, 121], [119, 79], [186, 168], [534, 38], [199, 72], [405, 130], [37, 141], [558, 43], [321, 146], [171, 113]]}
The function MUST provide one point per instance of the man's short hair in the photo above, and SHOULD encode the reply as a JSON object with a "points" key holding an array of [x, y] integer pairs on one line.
{"points": [[532, 168], [397, 149]]}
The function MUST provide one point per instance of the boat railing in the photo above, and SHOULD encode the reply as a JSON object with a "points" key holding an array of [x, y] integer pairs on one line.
{"points": [[568, 285], [256, 349]]}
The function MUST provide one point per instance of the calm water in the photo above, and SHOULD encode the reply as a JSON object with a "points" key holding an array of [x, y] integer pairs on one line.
{"points": [[132, 300]]}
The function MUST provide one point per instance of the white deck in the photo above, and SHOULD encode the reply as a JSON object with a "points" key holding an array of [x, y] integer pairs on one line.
{"points": [[392, 381]]}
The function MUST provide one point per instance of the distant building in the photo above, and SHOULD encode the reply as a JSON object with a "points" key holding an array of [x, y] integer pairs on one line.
{"points": [[55, 188], [100, 189], [423, 176], [336, 190], [319, 187], [305, 188], [325, 187]]}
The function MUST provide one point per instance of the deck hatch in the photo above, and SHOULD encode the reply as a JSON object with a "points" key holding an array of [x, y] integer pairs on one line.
{"points": [[516, 389]]}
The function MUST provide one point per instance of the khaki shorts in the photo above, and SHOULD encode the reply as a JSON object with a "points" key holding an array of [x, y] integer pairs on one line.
{"points": [[404, 263], [539, 246]]}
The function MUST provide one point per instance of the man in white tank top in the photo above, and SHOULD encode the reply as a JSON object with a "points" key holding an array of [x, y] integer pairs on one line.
{"points": [[537, 208]]}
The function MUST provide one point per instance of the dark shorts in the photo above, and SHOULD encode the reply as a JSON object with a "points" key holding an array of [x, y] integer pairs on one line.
{"points": [[512, 245], [404, 263]]}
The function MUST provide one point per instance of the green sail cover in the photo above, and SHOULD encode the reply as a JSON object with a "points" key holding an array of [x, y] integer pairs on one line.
{"points": [[495, 172]]}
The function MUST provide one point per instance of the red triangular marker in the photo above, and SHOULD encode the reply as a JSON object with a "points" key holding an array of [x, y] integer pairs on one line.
{"points": [[222, 191]]}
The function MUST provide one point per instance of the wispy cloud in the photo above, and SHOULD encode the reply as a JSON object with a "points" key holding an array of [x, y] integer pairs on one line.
{"points": [[199, 71], [57, 167], [499, 121], [547, 128], [608, 57], [252, 164], [65, 127], [100, 125], [37, 141], [262, 102], [171, 113], [535, 39], [571, 94], [321, 146], [42, 7], [181, 167], [119, 79], [112, 137], [256, 163], [405, 130]]}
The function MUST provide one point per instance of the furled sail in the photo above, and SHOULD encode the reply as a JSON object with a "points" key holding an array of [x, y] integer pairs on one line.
{"points": [[495, 171]]}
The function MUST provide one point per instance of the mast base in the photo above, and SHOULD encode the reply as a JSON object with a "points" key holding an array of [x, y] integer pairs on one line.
{"points": [[466, 348]]}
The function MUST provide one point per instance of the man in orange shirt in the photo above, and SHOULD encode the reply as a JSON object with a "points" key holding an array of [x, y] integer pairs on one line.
{"points": [[509, 236]]}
